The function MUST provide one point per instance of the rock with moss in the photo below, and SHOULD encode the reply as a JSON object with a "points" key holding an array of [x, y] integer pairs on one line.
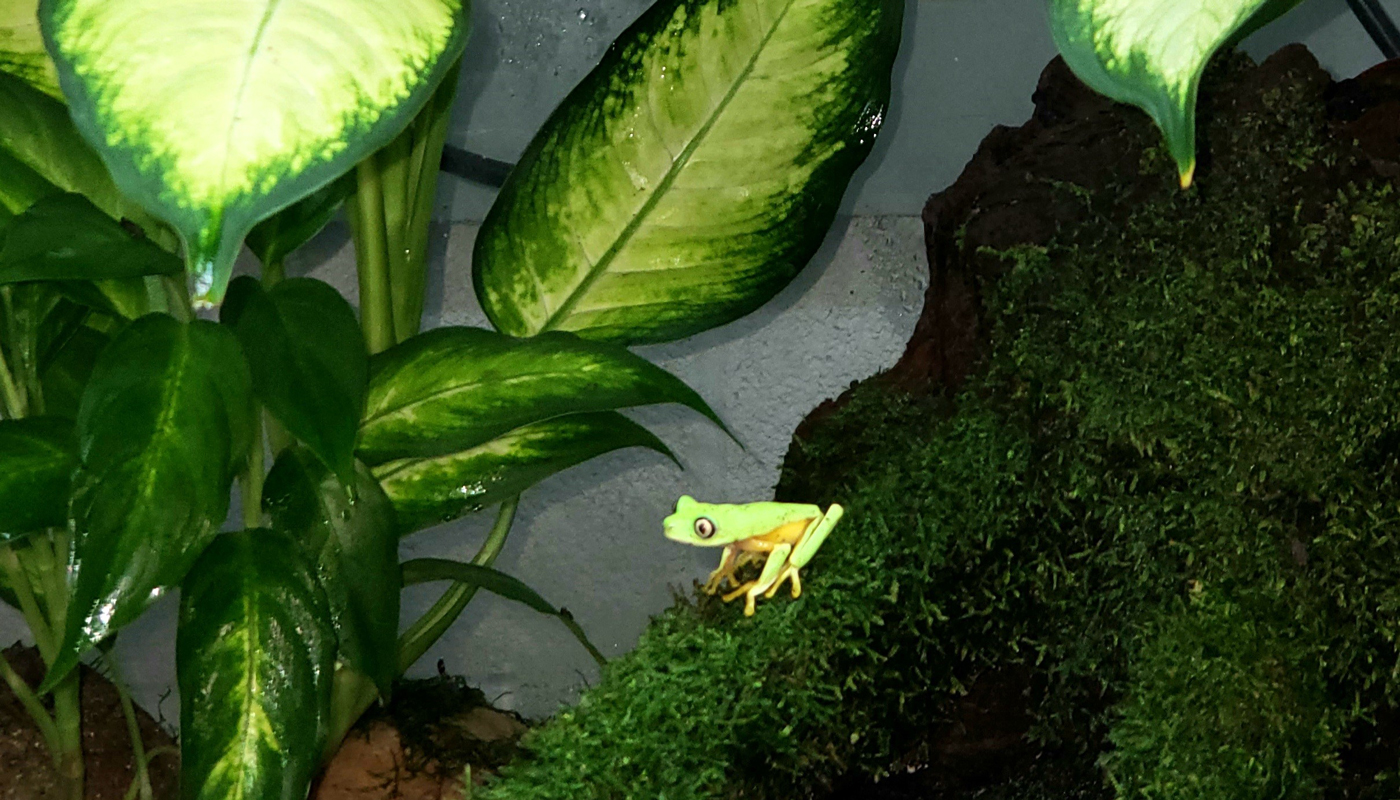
{"points": [[1153, 535]]}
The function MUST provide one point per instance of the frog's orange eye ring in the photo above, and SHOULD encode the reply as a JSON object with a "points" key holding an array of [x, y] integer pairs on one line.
{"points": [[704, 528]]}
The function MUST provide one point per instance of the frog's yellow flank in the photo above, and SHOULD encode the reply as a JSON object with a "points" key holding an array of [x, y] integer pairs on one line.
{"points": [[784, 536]]}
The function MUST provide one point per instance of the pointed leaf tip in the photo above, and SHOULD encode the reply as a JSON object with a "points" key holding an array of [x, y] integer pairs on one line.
{"points": [[229, 126], [1151, 53]]}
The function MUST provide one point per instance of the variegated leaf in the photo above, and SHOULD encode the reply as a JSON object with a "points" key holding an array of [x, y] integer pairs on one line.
{"points": [[255, 655], [693, 173], [428, 491], [451, 389], [1151, 53], [36, 132], [22, 51], [251, 104], [164, 421]]}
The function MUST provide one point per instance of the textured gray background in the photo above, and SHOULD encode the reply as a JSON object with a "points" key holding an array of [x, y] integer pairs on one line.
{"points": [[589, 539]]}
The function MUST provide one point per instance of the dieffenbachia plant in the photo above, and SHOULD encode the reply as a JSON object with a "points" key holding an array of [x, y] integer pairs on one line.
{"points": [[681, 185], [1151, 53], [251, 106]]}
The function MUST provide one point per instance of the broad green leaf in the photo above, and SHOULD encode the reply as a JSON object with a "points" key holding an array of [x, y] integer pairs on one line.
{"points": [[427, 570], [455, 388], [250, 106], [66, 237], [164, 423], [22, 51], [20, 186], [65, 374], [276, 237], [308, 362], [37, 458], [693, 173], [1151, 53], [35, 129], [354, 545], [428, 491], [254, 658]]}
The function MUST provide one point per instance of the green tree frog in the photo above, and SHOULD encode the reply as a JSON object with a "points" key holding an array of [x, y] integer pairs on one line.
{"points": [[784, 536]]}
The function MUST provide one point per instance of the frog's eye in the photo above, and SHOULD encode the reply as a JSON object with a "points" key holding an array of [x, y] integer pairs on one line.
{"points": [[704, 528]]}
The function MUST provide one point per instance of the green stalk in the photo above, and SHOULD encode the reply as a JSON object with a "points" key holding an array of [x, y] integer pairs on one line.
{"points": [[372, 258], [9, 392], [429, 628], [274, 273], [428, 134], [68, 714], [142, 781], [33, 615], [353, 693], [31, 704], [251, 482]]}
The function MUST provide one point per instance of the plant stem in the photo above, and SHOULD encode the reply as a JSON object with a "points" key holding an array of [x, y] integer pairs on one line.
{"points": [[9, 392], [33, 614], [422, 634], [351, 694], [251, 482], [31, 703], [274, 273], [68, 714], [133, 729], [376, 301]]}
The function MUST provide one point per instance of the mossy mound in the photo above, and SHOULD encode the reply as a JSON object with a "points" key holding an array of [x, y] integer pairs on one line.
{"points": [[1167, 503]]}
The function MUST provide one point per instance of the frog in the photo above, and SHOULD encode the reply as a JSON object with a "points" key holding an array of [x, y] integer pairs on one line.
{"points": [[784, 536]]}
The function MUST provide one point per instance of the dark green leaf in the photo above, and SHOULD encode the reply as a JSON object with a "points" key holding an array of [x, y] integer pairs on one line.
{"points": [[693, 173], [165, 422], [20, 186], [273, 239], [354, 544], [427, 491], [66, 373], [255, 656], [427, 570], [37, 459], [66, 237], [451, 389], [308, 360], [37, 130]]}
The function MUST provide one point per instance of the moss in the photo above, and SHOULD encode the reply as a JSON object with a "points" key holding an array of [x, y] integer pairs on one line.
{"points": [[1171, 494]]}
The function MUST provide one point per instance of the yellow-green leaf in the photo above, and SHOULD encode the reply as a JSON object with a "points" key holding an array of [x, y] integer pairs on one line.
{"points": [[693, 173], [1151, 53], [22, 51], [216, 114]]}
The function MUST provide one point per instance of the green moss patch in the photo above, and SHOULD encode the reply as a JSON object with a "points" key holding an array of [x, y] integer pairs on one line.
{"points": [[1169, 498]]}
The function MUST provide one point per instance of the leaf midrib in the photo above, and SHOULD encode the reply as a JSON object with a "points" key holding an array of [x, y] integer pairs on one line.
{"points": [[678, 164], [406, 408], [237, 104]]}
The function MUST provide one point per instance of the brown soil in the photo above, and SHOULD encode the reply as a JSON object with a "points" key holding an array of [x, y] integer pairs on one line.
{"points": [[418, 747], [24, 762], [1011, 193]]}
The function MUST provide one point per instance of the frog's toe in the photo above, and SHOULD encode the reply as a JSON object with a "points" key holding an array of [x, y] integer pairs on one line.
{"points": [[741, 590]]}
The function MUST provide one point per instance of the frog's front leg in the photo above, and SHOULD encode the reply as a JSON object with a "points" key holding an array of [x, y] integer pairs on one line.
{"points": [[728, 562], [772, 568]]}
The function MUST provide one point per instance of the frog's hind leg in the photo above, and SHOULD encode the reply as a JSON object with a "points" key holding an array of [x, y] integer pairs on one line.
{"points": [[807, 546], [774, 567]]}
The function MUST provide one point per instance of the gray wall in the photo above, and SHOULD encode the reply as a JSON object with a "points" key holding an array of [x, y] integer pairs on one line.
{"points": [[589, 539]]}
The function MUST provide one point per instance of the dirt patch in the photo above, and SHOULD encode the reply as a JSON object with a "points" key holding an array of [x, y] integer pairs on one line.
{"points": [[418, 747], [25, 763]]}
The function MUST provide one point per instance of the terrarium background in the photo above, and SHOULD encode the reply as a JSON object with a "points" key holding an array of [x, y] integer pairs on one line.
{"points": [[589, 539]]}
